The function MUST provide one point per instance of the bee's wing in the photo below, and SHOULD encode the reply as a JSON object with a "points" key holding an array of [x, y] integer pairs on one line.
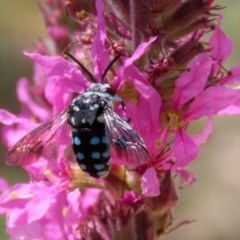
{"points": [[126, 143], [32, 145]]}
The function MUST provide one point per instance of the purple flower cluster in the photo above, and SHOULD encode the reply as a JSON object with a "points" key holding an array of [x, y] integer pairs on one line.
{"points": [[169, 75]]}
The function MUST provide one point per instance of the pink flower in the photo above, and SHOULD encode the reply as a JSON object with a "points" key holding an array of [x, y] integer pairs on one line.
{"points": [[141, 99], [202, 102], [217, 40], [43, 210], [150, 183]]}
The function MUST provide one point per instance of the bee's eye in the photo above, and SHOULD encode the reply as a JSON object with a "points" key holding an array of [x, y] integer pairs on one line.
{"points": [[70, 108], [110, 91], [102, 104], [74, 108]]}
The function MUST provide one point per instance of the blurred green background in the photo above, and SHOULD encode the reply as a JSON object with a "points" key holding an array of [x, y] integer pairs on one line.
{"points": [[213, 201]]}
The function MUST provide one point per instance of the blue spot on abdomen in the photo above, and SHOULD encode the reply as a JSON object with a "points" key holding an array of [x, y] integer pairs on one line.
{"points": [[106, 154], [83, 166], [99, 166], [96, 155], [95, 140], [80, 156], [105, 139], [76, 141]]}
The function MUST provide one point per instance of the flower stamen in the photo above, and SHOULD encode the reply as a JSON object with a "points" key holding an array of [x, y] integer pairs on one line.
{"points": [[173, 120]]}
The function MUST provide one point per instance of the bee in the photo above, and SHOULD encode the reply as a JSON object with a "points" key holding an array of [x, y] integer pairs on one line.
{"points": [[97, 131]]}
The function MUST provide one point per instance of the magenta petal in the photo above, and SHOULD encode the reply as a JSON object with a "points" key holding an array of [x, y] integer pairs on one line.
{"points": [[3, 187], [58, 66], [89, 199], [57, 94], [187, 178], [232, 110], [191, 83], [74, 213], [12, 134], [150, 183], [99, 50], [3, 184], [233, 77], [129, 69], [17, 217], [8, 118], [185, 149], [220, 45], [44, 212], [26, 231], [16, 196], [38, 208], [57, 32], [203, 136], [142, 48], [211, 101], [145, 114], [26, 97], [52, 65]]}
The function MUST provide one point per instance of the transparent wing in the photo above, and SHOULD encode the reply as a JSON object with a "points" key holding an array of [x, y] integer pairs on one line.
{"points": [[126, 143], [32, 145]]}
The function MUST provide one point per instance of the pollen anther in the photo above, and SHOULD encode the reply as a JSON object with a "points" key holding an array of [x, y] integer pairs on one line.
{"points": [[173, 120]]}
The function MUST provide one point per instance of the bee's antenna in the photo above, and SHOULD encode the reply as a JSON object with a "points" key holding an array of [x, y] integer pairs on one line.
{"points": [[109, 66], [91, 77]]}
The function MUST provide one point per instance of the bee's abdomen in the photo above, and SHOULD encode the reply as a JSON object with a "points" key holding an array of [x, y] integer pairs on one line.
{"points": [[92, 151]]}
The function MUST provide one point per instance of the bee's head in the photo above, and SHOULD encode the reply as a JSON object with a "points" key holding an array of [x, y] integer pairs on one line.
{"points": [[103, 90], [101, 87]]}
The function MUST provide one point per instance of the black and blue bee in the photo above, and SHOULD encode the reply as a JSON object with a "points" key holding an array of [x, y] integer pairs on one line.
{"points": [[97, 132]]}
